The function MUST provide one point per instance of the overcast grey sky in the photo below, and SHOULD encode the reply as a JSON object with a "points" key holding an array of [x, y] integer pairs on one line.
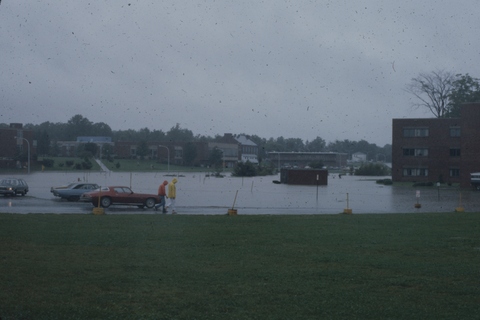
{"points": [[297, 69]]}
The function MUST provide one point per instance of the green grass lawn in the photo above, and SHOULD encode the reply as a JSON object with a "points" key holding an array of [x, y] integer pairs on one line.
{"points": [[391, 266]]}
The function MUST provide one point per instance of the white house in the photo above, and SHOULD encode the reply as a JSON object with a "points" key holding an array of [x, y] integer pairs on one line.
{"points": [[359, 157]]}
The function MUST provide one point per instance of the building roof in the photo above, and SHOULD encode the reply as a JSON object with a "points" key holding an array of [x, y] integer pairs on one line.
{"points": [[243, 140], [94, 139]]}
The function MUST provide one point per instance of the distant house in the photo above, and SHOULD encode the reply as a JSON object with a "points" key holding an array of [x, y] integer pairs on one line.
{"points": [[229, 152], [359, 157], [247, 149]]}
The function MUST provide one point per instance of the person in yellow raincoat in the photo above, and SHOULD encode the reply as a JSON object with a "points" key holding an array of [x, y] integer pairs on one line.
{"points": [[172, 194]]}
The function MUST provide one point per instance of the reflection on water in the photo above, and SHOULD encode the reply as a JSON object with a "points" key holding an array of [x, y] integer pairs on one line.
{"points": [[196, 191]]}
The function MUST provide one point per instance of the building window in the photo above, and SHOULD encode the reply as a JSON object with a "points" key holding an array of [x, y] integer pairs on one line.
{"points": [[454, 172], [455, 131], [415, 132], [415, 152], [455, 152], [415, 172], [178, 153]]}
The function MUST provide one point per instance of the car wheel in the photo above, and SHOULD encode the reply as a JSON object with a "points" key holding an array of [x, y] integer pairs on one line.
{"points": [[150, 202], [105, 202]]}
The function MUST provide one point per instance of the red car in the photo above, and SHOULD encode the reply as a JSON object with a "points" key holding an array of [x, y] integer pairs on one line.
{"points": [[120, 195]]}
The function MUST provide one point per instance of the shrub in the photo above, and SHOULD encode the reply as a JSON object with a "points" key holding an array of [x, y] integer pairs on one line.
{"points": [[385, 181], [245, 169], [48, 162], [423, 184], [372, 169], [87, 165]]}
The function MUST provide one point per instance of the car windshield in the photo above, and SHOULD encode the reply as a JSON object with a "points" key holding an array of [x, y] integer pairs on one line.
{"points": [[12, 182]]}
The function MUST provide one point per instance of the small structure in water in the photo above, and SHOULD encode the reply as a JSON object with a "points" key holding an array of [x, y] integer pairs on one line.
{"points": [[310, 177]]}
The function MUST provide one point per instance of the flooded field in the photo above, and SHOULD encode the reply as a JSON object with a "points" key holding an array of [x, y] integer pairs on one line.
{"points": [[197, 193]]}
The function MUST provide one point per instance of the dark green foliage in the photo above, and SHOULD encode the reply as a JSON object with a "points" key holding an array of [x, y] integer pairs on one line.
{"points": [[189, 153], [248, 169], [423, 184], [316, 165], [142, 149], [48, 162], [245, 169], [464, 89], [87, 164], [216, 158], [266, 170], [386, 182], [43, 143], [372, 169], [91, 148]]}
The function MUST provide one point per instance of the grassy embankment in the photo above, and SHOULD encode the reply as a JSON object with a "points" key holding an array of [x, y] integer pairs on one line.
{"points": [[415, 266]]}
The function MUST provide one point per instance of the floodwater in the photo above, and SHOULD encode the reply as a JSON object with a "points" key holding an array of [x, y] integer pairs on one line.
{"points": [[197, 193]]}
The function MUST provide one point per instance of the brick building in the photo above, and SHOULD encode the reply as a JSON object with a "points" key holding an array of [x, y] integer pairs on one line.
{"points": [[437, 149], [15, 140]]}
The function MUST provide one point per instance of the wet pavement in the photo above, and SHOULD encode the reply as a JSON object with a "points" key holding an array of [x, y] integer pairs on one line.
{"points": [[197, 193]]}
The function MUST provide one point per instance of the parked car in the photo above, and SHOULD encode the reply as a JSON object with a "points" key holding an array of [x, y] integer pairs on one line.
{"points": [[73, 191], [13, 187], [120, 195]]}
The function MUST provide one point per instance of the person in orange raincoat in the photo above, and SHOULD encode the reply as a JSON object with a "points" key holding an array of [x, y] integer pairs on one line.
{"points": [[162, 194]]}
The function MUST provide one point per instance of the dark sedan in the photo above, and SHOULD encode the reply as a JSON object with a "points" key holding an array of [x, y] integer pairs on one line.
{"points": [[73, 191], [120, 195], [13, 187]]}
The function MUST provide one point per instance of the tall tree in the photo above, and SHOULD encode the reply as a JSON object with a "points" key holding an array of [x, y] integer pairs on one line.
{"points": [[465, 89], [43, 143], [316, 145], [142, 149], [101, 129], [216, 158], [189, 153], [78, 126], [178, 134], [294, 144], [433, 91]]}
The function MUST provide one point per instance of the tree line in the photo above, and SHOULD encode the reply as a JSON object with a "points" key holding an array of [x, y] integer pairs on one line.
{"points": [[47, 133]]}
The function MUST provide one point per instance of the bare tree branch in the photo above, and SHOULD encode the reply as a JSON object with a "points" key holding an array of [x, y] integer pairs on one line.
{"points": [[433, 91]]}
